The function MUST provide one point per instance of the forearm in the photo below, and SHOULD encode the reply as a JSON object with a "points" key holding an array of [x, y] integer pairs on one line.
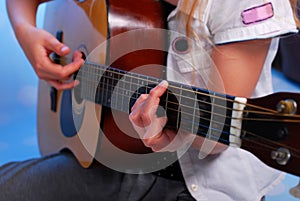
{"points": [[22, 14]]}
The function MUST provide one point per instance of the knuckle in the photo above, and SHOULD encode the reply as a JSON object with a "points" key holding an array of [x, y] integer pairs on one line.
{"points": [[143, 96], [148, 142], [153, 93], [146, 118], [38, 66], [63, 75]]}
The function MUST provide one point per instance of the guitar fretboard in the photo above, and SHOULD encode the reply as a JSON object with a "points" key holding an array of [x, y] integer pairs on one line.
{"points": [[192, 109]]}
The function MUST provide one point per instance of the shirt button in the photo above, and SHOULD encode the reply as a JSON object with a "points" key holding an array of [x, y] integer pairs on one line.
{"points": [[194, 187]]}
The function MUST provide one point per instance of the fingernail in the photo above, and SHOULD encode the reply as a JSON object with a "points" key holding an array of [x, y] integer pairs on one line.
{"points": [[76, 83], [164, 83], [64, 49]]}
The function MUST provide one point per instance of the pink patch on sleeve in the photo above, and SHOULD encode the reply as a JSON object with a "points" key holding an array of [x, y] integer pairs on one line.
{"points": [[258, 13]]}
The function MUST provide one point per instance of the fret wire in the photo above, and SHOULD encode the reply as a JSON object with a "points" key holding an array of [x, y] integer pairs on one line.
{"points": [[195, 106], [122, 94], [115, 100], [85, 86], [138, 85], [178, 113], [93, 90], [130, 89], [166, 102], [103, 89], [119, 94], [88, 89], [107, 91]]}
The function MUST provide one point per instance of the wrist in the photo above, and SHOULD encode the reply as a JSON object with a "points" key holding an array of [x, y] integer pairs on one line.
{"points": [[23, 30]]}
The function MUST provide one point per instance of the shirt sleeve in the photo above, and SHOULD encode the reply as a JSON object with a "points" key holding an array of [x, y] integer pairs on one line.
{"points": [[239, 20]]}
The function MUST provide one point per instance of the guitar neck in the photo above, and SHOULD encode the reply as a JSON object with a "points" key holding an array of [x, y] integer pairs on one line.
{"points": [[194, 110], [256, 125]]}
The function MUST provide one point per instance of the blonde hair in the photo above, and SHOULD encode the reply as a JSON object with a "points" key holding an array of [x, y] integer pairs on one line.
{"points": [[294, 4], [188, 20]]}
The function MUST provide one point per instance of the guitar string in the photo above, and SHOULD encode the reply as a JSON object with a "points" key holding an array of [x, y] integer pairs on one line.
{"points": [[123, 94], [185, 113], [193, 91], [247, 118], [264, 109], [98, 66], [271, 112], [217, 137], [273, 145], [249, 133], [196, 126]]}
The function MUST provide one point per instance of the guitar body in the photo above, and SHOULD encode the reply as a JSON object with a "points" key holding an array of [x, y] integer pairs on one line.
{"points": [[67, 124], [125, 50]]}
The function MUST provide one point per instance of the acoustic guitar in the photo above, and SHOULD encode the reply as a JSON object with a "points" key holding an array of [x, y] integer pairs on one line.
{"points": [[125, 49]]}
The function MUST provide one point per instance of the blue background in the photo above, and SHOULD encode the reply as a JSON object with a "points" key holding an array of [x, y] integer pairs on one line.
{"points": [[18, 100]]}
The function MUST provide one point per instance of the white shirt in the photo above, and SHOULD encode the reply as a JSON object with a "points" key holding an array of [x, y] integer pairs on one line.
{"points": [[235, 174]]}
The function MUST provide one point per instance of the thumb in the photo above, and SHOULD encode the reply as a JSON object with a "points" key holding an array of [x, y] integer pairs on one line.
{"points": [[57, 47]]}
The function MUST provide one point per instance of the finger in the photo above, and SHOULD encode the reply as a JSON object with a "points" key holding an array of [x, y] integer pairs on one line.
{"points": [[171, 141], [60, 72], [138, 102], [77, 55], [134, 116], [63, 85], [155, 138], [155, 129], [56, 46], [152, 102], [177, 140], [160, 89], [48, 70], [147, 131]]}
